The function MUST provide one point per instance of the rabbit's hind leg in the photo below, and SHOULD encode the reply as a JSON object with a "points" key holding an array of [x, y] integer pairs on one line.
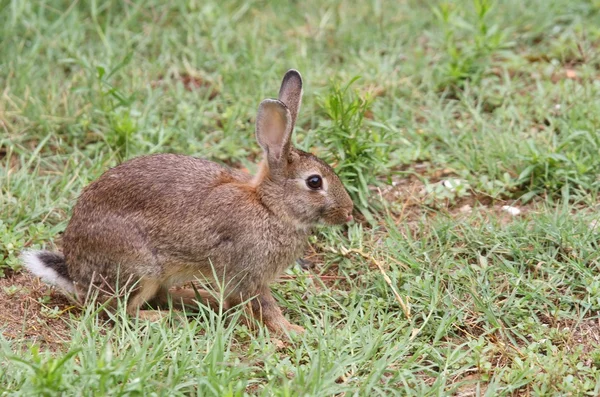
{"points": [[145, 292]]}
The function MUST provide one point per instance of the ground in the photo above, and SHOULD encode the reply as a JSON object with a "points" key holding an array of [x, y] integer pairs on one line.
{"points": [[466, 133]]}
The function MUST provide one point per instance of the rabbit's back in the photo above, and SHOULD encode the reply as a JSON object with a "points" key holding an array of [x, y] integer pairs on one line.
{"points": [[155, 182]]}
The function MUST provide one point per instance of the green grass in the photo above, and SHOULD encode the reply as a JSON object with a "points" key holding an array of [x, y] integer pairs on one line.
{"points": [[501, 96]]}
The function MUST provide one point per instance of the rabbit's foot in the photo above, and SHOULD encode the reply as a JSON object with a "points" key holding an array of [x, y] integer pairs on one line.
{"points": [[264, 308], [282, 326], [295, 328], [151, 315]]}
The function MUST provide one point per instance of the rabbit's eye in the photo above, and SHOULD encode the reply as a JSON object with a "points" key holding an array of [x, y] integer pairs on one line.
{"points": [[314, 182]]}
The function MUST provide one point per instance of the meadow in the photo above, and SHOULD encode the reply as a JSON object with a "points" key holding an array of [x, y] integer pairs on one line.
{"points": [[466, 131]]}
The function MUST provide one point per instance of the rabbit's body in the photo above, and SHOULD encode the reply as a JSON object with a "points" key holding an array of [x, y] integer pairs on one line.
{"points": [[161, 220], [181, 218]]}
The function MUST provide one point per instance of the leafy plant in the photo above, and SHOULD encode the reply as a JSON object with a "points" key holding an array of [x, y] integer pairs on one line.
{"points": [[569, 162], [12, 242], [359, 151], [467, 46], [115, 106], [446, 192], [495, 188], [46, 374]]}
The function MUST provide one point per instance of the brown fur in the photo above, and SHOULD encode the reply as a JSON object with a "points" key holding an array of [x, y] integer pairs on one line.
{"points": [[164, 219]]}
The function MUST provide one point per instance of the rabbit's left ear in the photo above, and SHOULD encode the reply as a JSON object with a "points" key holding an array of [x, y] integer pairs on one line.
{"points": [[290, 93], [274, 130]]}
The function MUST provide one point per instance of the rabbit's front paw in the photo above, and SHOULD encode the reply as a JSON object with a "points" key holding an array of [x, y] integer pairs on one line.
{"points": [[295, 328], [282, 327]]}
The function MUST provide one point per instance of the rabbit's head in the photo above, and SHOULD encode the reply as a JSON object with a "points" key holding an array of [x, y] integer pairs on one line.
{"points": [[300, 185]]}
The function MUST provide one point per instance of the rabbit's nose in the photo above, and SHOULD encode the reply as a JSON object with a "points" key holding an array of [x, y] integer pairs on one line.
{"points": [[349, 218]]}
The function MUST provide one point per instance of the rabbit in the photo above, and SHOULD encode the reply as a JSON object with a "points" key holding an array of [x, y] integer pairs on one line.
{"points": [[161, 220]]}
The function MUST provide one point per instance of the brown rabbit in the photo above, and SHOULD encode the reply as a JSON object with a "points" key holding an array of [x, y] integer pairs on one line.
{"points": [[162, 220]]}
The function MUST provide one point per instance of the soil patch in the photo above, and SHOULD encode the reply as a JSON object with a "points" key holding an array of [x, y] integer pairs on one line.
{"points": [[33, 312]]}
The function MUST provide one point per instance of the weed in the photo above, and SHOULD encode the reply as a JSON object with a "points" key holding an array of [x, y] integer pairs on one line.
{"points": [[446, 192], [116, 107], [360, 152], [570, 162], [468, 45]]}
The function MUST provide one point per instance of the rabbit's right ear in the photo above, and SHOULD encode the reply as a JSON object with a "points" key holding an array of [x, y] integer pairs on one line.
{"points": [[290, 93], [274, 129]]}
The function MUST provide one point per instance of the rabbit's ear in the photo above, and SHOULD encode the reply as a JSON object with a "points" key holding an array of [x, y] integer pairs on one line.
{"points": [[273, 129], [290, 93]]}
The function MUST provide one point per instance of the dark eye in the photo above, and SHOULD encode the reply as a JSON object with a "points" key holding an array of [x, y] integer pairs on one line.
{"points": [[314, 182]]}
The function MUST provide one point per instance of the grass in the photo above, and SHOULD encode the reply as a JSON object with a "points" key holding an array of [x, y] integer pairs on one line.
{"points": [[460, 108]]}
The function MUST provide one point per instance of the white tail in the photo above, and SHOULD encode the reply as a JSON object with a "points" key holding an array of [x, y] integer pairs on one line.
{"points": [[37, 266]]}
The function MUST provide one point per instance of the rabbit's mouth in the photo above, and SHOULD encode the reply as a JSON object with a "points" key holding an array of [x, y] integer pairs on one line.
{"points": [[338, 218]]}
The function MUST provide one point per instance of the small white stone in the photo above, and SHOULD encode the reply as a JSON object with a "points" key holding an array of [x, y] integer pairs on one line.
{"points": [[514, 211], [451, 184]]}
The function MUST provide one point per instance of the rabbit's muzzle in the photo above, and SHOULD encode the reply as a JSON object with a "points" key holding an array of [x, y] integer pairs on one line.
{"points": [[339, 216]]}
